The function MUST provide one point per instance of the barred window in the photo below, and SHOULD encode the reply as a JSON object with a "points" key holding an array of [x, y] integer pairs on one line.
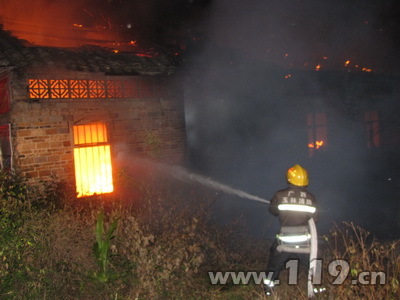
{"points": [[92, 159], [317, 132]]}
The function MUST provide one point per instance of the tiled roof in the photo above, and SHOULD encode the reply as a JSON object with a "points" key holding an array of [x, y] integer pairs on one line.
{"points": [[19, 54]]}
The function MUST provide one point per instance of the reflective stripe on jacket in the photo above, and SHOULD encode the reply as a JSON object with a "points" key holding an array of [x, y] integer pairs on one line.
{"points": [[294, 205]]}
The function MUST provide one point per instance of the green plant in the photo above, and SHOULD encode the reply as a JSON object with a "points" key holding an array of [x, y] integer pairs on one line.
{"points": [[102, 246], [163, 247]]}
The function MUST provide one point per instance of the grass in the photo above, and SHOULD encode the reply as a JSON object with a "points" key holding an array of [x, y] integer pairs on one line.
{"points": [[53, 246]]}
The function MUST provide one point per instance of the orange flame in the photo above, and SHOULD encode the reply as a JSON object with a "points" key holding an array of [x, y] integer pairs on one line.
{"points": [[317, 67], [59, 24], [319, 144], [92, 159], [316, 145]]}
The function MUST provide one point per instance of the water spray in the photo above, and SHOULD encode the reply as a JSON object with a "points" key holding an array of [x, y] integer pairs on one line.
{"points": [[182, 174]]}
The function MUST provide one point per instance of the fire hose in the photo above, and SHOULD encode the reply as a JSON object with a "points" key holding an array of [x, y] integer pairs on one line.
{"points": [[313, 250], [182, 174]]}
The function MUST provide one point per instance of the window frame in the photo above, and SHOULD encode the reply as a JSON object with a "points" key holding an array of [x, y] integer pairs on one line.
{"points": [[98, 165]]}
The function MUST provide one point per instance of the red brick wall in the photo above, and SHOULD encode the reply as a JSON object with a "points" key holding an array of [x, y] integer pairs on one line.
{"points": [[42, 130]]}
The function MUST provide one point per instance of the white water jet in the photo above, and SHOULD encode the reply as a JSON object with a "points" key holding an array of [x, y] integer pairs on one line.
{"points": [[182, 174]]}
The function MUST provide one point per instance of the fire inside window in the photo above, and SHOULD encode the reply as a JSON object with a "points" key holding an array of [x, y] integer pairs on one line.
{"points": [[371, 119], [317, 132], [92, 158]]}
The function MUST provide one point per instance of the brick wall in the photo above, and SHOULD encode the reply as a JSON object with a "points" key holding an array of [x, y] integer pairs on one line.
{"points": [[152, 124]]}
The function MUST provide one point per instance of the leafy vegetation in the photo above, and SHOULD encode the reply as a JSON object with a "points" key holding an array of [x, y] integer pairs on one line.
{"points": [[159, 244], [102, 246]]}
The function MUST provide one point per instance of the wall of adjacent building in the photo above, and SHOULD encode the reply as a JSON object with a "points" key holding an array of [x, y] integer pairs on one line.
{"points": [[149, 125]]}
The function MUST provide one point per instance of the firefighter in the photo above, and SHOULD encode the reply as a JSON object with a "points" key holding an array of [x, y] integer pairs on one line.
{"points": [[294, 206]]}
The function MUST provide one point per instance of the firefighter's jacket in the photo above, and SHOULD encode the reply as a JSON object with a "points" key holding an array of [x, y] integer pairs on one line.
{"points": [[294, 205]]}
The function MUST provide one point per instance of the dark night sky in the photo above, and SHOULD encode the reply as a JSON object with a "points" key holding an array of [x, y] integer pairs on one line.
{"points": [[364, 32], [290, 32]]}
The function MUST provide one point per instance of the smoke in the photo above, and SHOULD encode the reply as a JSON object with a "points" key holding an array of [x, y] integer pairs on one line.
{"points": [[129, 162], [246, 122], [183, 174]]}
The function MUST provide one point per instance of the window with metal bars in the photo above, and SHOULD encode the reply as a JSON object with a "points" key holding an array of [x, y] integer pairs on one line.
{"points": [[92, 160], [317, 132]]}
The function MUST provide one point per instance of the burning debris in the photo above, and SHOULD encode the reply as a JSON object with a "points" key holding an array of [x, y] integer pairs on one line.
{"points": [[87, 102], [148, 28], [316, 145], [89, 58]]}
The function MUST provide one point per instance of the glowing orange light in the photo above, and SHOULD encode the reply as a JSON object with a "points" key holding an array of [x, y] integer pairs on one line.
{"points": [[316, 145], [78, 25], [366, 70], [319, 144], [144, 55], [347, 62], [132, 43], [115, 50], [317, 67], [92, 159]]}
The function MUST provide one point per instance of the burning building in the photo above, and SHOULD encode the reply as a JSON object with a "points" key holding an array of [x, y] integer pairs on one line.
{"points": [[68, 113]]}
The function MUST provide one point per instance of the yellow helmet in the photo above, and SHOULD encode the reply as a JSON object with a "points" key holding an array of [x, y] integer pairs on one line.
{"points": [[297, 175]]}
